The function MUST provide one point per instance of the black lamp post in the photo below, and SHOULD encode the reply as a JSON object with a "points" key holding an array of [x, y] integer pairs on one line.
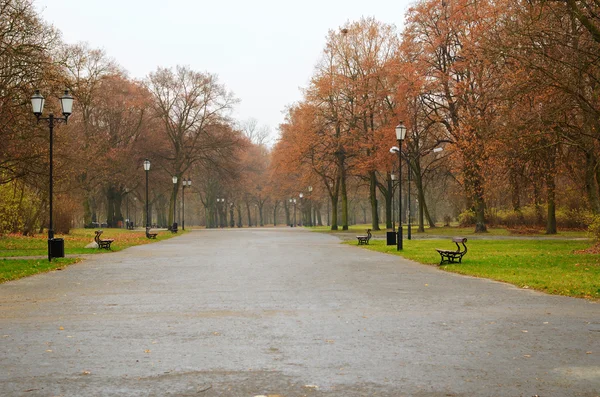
{"points": [[409, 172], [400, 135], [302, 211], [310, 209], [185, 184], [174, 226], [393, 176], [127, 209], [231, 220], [66, 104], [220, 202], [147, 169], [293, 201]]}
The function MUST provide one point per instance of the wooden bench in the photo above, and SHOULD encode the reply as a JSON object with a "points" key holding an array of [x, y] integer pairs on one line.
{"points": [[449, 256], [150, 235], [364, 240], [102, 242]]}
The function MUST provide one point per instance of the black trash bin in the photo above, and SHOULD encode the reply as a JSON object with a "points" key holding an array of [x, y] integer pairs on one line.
{"points": [[391, 238], [57, 247]]}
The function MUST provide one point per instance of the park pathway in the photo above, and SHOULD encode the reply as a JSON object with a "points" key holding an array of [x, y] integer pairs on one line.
{"points": [[286, 312]]}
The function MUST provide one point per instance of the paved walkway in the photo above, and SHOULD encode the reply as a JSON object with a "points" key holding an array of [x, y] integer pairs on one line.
{"points": [[290, 313]]}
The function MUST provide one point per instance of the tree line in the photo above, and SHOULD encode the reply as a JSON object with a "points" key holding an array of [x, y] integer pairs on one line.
{"points": [[500, 102]]}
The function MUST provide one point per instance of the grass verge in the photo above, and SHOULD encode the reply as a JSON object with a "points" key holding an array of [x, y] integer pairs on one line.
{"points": [[12, 269], [550, 266], [75, 242]]}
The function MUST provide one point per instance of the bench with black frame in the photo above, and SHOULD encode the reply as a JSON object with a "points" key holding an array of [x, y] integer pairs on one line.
{"points": [[173, 228], [449, 256], [364, 240], [103, 242], [150, 235]]}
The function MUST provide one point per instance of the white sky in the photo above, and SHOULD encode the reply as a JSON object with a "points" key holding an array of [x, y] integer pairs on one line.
{"points": [[262, 50]]}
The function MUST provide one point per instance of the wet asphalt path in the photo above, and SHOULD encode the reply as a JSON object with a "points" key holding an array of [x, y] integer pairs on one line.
{"points": [[286, 312]]}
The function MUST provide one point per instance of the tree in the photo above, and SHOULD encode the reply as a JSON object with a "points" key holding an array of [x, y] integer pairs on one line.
{"points": [[192, 107]]}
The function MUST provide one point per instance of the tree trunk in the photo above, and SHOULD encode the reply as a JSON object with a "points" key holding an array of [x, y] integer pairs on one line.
{"points": [[551, 191], [239, 213], [388, 201], [373, 200], [344, 200], [249, 214], [592, 182]]}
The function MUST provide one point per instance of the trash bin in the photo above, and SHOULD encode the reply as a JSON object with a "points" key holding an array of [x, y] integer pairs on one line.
{"points": [[57, 247], [391, 238]]}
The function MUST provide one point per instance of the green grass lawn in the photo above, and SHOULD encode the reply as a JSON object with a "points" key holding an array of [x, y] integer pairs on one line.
{"points": [[547, 265], [447, 231], [75, 242], [12, 269]]}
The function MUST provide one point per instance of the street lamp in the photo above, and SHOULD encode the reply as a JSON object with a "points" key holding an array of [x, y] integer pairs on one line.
{"points": [[186, 183], [147, 168], [127, 210], [174, 226], [293, 201], [66, 104], [393, 177], [310, 215], [220, 202], [400, 135], [301, 195]]}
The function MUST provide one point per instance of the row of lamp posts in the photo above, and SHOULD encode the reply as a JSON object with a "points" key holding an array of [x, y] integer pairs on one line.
{"points": [[56, 246]]}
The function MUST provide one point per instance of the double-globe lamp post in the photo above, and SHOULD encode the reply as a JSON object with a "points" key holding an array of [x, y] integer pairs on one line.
{"points": [[400, 135], [293, 201], [37, 104], [147, 169], [186, 183], [174, 226]]}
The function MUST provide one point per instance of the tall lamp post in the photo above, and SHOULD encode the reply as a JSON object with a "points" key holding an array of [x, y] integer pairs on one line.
{"points": [[186, 183], [147, 169], [174, 226], [293, 201], [220, 202], [393, 176], [409, 172], [127, 209], [400, 135], [66, 104], [231, 220], [302, 218], [310, 209]]}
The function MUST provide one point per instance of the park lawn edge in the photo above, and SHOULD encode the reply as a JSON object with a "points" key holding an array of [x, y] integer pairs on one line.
{"points": [[14, 269], [572, 275], [16, 266]]}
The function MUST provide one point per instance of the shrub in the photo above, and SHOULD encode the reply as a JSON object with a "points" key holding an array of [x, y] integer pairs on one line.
{"points": [[594, 228], [467, 218]]}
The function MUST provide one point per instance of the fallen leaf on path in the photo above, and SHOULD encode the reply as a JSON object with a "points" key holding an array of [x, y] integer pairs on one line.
{"points": [[61, 328], [147, 351]]}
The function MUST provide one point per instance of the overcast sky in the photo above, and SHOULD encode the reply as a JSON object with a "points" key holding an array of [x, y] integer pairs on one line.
{"points": [[262, 50]]}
